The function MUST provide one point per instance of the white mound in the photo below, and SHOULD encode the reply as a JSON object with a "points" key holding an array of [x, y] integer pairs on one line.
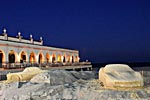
{"points": [[59, 77], [55, 88], [120, 75], [26, 75]]}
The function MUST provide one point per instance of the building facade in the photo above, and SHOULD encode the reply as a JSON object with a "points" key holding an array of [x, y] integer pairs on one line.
{"points": [[17, 49]]}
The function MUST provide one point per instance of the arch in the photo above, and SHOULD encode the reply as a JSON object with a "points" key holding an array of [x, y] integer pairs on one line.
{"points": [[72, 59], [59, 58], [32, 57], [47, 57], [53, 58], [41, 58], [12, 56], [64, 59], [2, 58], [23, 57]]}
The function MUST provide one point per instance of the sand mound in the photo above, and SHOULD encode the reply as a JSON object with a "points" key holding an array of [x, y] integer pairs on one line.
{"points": [[26, 75], [120, 75]]}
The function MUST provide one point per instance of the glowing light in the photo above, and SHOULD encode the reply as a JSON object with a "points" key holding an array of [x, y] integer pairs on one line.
{"points": [[41, 38], [50, 58], [19, 33], [30, 35], [59, 58], [4, 30]]}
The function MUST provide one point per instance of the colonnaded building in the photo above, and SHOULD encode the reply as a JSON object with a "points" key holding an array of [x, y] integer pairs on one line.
{"points": [[19, 50]]}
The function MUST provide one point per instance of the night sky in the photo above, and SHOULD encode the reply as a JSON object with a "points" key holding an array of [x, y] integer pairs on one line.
{"points": [[102, 30]]}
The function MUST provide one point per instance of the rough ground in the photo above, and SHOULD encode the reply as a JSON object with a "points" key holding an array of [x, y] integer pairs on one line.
{"points": [[69, 85]]}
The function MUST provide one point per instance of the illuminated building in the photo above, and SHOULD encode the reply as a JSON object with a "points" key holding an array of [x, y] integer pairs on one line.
{"points": [[19, 50]]}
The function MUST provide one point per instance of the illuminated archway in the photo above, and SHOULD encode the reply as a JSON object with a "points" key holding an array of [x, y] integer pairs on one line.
{"points": [[47, 57], [41, 58], [23, 57], [12, 56], [53, 58], [1, 58], [59, 58], [32, 57]]}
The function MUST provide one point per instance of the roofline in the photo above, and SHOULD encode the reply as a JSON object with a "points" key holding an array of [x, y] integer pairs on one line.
{"points": [[38, 45]]}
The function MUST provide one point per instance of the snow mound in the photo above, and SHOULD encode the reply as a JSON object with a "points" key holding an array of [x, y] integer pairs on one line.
{"points": [[84, 86], [59, 77]]}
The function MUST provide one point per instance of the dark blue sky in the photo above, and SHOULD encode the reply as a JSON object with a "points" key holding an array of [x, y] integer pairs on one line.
{"points": [[102, 30]]}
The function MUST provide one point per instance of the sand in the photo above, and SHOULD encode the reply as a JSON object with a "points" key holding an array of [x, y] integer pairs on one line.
{"points": [[70, 85]]}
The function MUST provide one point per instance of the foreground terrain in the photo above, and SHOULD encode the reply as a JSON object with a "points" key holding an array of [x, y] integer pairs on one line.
{"points": [[70, 85]]}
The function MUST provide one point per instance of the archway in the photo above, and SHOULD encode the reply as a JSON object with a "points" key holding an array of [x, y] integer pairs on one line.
{"points": [[64, 59], [47, 57], [32, 57], [23, 57], [72, 59], [41, 58], [53, 58], [1, 58], [11, 56], [59, 58]]}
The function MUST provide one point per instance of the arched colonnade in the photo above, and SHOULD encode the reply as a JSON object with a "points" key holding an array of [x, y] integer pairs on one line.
{"points": [[32, 57]]}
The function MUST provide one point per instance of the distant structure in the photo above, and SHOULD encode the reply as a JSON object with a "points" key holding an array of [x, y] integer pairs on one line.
{"points": [[19, 50]]}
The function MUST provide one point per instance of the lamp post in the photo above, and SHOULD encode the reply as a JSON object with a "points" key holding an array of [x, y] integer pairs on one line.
{"points": [[5, 34], [41, 40], [19, 36], [31, 38]]}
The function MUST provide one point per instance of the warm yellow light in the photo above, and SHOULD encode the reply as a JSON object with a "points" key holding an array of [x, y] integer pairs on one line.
{"points": [[51, 58], [59, 58]]}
